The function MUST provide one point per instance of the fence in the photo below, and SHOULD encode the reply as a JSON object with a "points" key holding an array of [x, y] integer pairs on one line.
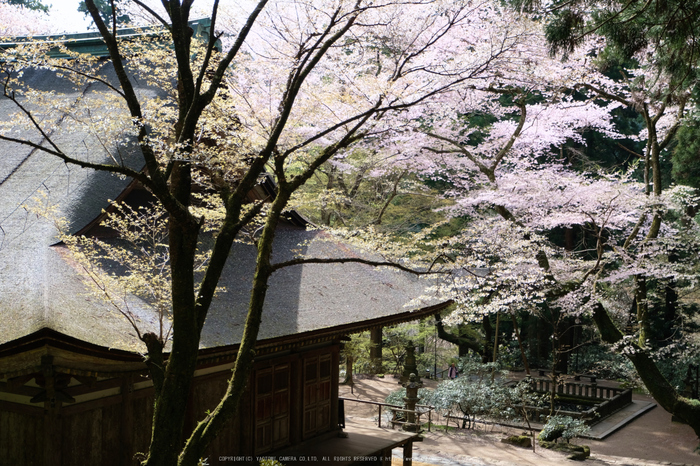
{"points": [[422, 410], [584, 390], [607, 399]]}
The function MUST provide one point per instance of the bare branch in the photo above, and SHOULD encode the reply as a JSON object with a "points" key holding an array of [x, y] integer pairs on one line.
{"points": [[357, 260]]}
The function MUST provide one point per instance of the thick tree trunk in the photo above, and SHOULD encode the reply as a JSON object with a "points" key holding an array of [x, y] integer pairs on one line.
{"points": [[495, 338], [171, 403], [463, 342], [349, 360], [488, 334], [208, 428], [688, 410], [565, 330], [640, 297], [326, 210]]}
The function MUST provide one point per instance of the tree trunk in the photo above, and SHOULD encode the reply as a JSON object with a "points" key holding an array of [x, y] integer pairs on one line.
{"points": [[565, 343], [171, 403], [554, 375], [520, 344], [688, 410], [326, 210], [349, 360], [208, 428], [463, 342], [488, 334], [495, 338], [640, 297]]}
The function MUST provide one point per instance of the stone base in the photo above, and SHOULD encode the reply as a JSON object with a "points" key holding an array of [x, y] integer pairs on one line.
{"points": [[411, 428], [577, 452], [523, 441]]}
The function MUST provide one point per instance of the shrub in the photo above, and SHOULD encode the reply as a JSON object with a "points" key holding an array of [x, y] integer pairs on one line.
{"points": [[564, 427]]}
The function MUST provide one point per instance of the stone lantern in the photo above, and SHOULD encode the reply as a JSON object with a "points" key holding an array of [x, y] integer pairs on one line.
{"points": [[410, 366], [410, 401]]}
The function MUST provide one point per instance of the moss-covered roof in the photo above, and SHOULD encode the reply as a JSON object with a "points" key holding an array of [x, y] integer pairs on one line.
{"points": [[308, 297], [41, 288]]}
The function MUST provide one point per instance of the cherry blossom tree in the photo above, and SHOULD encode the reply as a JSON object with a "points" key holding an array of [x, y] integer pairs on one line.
{"points": [[19, 20], [509, 179], [636, 229], [297, 84]]}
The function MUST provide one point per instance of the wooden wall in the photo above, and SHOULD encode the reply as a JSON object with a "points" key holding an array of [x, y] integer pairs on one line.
{"points": [[106, 431], [110, 431]]}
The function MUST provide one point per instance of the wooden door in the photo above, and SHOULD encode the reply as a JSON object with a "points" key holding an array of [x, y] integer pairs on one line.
{"points": [[272, 408], [317, 395]]}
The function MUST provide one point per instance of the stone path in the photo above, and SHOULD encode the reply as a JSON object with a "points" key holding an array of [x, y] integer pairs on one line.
{"points": [[620, 419]]}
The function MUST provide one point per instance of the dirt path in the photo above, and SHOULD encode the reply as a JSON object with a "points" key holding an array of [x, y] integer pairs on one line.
{"points": [[651, 439]]}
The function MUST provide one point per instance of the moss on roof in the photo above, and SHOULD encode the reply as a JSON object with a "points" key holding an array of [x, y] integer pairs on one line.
{"points": [[41, 288]]}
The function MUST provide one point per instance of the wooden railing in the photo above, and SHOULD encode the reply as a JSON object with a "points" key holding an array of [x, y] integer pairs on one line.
{"points": [[607, 399], [421, 410], [586, 390]]}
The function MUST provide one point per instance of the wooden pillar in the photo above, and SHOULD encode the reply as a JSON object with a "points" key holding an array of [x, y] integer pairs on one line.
{"points": [[247, 415], [375, 351], [296, 396], [408, 453], [127, 421], [52, 421], [335, 376]]}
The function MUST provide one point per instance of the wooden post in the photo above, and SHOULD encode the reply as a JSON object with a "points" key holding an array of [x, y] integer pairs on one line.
{"points": [[408, 453], [495, 337], [375, 351], [52, 421], [127, 420]]}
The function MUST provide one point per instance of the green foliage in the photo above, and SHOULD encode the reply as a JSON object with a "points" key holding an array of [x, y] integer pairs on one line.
{"points": [[668, 29], [482, 391], [686, 155], [564, 31], [105, 8], [36, 5], [358, 348], [425, 395], [395, 398], [673, 362], [395, 339], [627, 38], [600, 360], [270, 462], [356, 192], [429, 352], [564, 427]]}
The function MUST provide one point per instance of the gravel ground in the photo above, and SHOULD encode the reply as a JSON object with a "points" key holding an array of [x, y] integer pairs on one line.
{"points": [[650, 440]]}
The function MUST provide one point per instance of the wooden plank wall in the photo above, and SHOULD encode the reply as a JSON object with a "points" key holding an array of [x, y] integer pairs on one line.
{"points": [[111, 431], [95, 432]]}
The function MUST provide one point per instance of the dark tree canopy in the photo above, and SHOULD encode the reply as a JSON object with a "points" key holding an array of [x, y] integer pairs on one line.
{"points": [[31, 4], [105, 9], [686, 156], [668, 29]]}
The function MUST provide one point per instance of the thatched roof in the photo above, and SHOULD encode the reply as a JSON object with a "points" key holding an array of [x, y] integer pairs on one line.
{"points": [[43, 290]]}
